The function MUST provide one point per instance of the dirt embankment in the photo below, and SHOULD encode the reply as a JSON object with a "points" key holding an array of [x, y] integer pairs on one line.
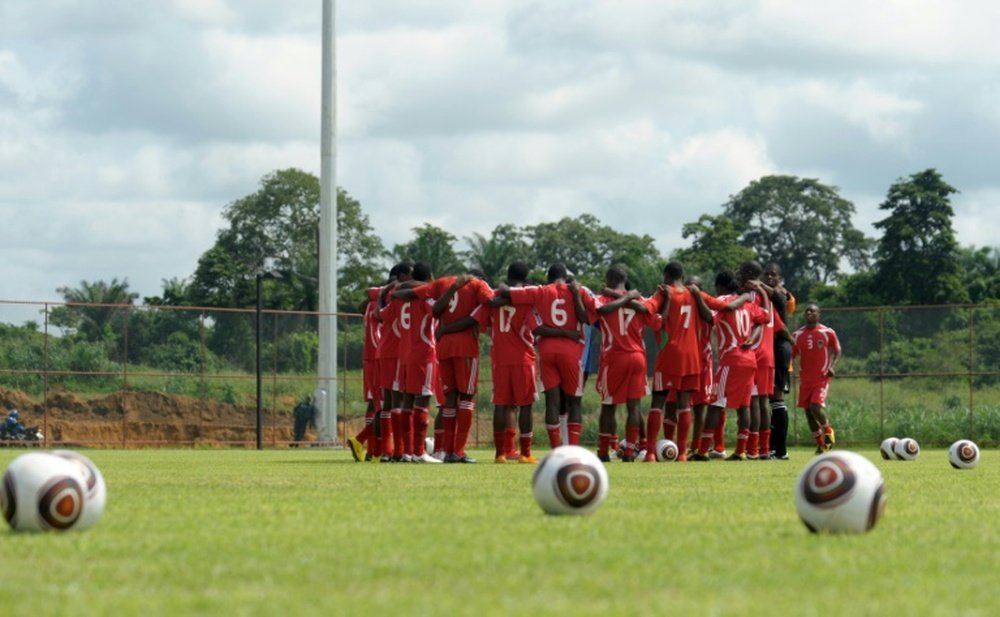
{"points": [[126, 419]]}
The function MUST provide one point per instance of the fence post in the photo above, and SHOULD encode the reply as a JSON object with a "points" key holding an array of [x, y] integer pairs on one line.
{"points": [[881, 373], [972, 347]]}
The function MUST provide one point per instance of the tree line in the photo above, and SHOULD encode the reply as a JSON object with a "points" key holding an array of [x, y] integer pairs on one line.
{"points": [[800, 223]]}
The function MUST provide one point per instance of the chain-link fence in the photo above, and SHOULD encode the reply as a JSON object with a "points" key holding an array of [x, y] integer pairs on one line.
{"points": [[126, 376]]}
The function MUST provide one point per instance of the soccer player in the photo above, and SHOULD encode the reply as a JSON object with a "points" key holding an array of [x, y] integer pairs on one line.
{"points": [[759, 445], [458, 358], [561, 307], [622, 377], [387, 354], [678, 365], [736, 330], [417, 363], [818, 350], [512, 356], [370, 381], [784, 304], [706, 379]]}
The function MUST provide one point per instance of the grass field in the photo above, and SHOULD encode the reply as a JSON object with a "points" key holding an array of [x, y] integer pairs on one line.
{"points": [[300, 532]]}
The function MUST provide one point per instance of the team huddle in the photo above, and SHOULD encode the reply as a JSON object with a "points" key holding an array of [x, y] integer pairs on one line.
{"points": [[728, 351]]}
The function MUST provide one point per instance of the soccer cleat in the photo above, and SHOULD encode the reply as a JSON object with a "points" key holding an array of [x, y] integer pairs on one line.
{"points": [[699, 457], [717, 454], [440, 455], [604, 458], [459, 458], [407, 458], [357, 449], [425, 458], [820, 449], [829, 438], [369, 458], [513, 455], [500, 459], [682, 457], [781, 457], [527, 460], [751, 457], [736, 457], [649, 458], [385, 458]]}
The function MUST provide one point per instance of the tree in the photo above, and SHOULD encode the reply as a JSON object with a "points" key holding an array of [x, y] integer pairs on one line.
{"points": [[94, 310], [714, 247], [917, 258], [277, 229], [433, 246], [588, 248], [492, 255], [980, 272], [800, 223]]}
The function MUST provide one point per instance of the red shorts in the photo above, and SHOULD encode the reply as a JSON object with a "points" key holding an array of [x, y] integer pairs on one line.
{"points": [[684, 383], [813, 393], [514, 385], [706, 383], [733, 386], [562, 370], [621, 378], [459, 374], [370, 379], [388, 373], [418, 379], [763, 383]]}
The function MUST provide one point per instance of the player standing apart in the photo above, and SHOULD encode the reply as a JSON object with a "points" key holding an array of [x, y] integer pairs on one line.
{"points": [[818, 351], [387, 354], [370, 382]]}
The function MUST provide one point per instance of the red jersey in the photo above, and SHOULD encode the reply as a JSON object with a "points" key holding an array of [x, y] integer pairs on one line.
{"points": [[510, 328], [464, 344], [764, 348], [622, 329], [813, 346], [554, 303], [388, 346], [682, 355], [734, 328], [373, 327], [417, 324]]}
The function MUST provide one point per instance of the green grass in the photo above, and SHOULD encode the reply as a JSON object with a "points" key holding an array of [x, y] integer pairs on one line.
{"points": [[287, 532]]}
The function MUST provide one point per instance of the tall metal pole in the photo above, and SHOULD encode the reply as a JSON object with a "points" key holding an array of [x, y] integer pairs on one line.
{"points": [[257, 325], [328, 235]]}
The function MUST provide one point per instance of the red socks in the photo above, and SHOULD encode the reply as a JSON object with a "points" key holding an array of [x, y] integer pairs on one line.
{"points": [[555, 440], [526, 444], [574, 429], [653, 421], [421, 420], [447, 431], [684, 419], [463, 424]]}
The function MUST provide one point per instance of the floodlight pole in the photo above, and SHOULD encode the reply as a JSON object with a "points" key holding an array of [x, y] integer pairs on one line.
{"points": [[327, 365], [257, 324]]}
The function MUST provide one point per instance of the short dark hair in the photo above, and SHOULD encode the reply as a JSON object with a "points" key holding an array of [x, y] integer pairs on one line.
{"points": [[673, 270], [421, 271], [726, 280], [616, 275], [556, 271], [773, 266], [751, 269], [403, 267], [478, 273], [517, 272]]}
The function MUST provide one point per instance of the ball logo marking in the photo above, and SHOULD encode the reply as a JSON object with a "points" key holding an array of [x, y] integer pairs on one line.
{"points": [[576, 485], [828, 482], [61, 503]]}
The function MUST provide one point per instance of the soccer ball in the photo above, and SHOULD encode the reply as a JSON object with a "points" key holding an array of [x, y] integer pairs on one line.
{"points": [[906, 449], [95, 490], [570, 480], [888, 449], [42, 492], [666, 450], [963, 454], [840, 492]]}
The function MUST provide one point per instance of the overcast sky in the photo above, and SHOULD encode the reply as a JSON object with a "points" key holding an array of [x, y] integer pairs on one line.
{"points": [[127, 125]]}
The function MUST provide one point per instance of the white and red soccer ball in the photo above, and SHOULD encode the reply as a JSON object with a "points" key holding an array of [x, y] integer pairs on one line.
{"points": [[906, 449], [52, 492], [840, 492], [666, 451], [888, 449], [570, 480], [963, 454]]}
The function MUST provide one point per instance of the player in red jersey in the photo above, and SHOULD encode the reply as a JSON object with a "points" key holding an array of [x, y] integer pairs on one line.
{"points": [[512, 356], [622, 376], [561, 308], [458, 358], [759, 445], [370, 381], [736, 330], [678, 365], [417, 363], [706, 379], [387, 354], [818, 350]]}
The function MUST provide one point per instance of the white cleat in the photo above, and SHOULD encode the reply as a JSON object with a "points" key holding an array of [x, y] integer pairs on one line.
{"points": [[408, 458], [425, 458], [439, 455], [716, 454]]}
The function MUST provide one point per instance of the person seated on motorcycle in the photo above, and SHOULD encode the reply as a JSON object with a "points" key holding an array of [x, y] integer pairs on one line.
{"points": [[13, 422]]}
